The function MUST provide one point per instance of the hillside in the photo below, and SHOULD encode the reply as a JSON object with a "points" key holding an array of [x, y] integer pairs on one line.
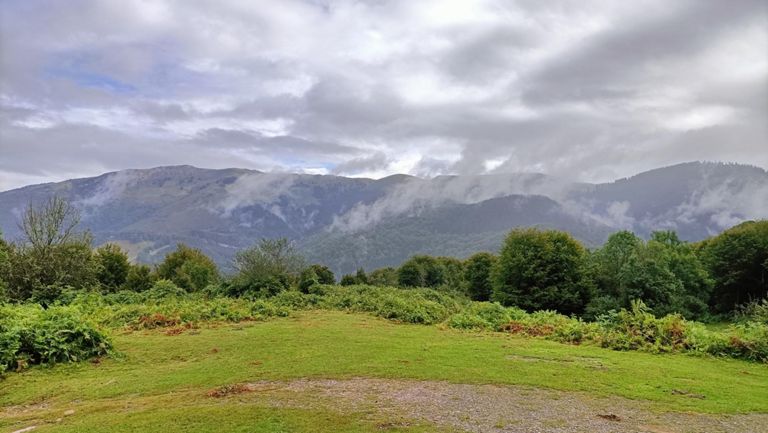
{"points": [[352, 222]]}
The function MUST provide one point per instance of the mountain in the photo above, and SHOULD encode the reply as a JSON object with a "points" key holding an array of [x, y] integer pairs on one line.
{"points": [[352, 222]]}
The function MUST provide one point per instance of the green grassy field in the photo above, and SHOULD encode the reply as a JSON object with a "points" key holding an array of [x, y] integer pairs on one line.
{"points": [[157, 378]]}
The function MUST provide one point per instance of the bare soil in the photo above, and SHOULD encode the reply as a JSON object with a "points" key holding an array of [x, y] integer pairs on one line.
{"points": [[500, 409]]}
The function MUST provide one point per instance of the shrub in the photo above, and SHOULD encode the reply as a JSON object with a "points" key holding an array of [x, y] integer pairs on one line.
{"points": [[414, 306], [31, 335], [755, 311], [639, 329], [481, 315], [163, 289]]}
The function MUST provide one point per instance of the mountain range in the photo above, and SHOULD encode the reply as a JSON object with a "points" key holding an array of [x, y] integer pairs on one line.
{"points": [[346, 223]]}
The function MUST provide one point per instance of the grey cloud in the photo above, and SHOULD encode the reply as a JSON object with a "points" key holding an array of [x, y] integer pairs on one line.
{"points": [[623, 61], [374, 162], [583, 91]]}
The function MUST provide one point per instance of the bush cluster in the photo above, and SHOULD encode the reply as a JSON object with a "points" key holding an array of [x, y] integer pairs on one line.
{"points": [[32, 335], [628, 329]]}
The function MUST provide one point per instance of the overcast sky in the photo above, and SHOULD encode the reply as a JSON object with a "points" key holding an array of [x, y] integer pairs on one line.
{"points": [[590, 90]]}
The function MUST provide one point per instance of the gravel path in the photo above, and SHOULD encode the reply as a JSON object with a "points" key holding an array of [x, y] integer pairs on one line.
{"points": [[502, 409]]}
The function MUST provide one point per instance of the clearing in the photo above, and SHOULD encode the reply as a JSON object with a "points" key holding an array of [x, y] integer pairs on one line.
{"points": [[331, 371]]}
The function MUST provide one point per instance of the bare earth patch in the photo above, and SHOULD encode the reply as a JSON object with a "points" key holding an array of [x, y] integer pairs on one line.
{"points": [[497, 409]]}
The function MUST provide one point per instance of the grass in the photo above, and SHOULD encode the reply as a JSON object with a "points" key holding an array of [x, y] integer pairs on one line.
{"points": [[158, 378]]}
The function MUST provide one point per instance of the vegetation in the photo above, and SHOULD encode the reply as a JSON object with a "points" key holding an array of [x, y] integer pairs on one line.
{"points": [[113, 267], [636, 295], [32, 335], [737, 260], [160, 377], [478, 276], [542, 270], [265, 269], [664, 272], [52, 256], [188, 268]]}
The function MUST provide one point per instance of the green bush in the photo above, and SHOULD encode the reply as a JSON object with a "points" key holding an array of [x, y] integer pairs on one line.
{"points": [[755, 311], [414, 306], [639, 329], [32, 335], [163, 289], [482, 315]]}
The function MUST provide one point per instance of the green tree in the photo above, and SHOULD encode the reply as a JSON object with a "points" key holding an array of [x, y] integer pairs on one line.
{"points": [[5, 250], [361, 277], [409, 275], [737, 260], [541, 270], [113, 266], [477, 274], [188, 268], [452, 270], [383, 277], [307, 279], [607, 269], [422, 271], [52, 256], [348, 280], [269, 267], [664, 273], [324, 274], [139, 278]]}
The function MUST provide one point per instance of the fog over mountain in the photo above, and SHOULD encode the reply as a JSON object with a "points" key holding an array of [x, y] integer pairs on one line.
{"points": [[351, 222]]}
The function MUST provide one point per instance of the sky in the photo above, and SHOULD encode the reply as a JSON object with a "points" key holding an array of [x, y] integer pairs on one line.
{"points": [[588, 90]]}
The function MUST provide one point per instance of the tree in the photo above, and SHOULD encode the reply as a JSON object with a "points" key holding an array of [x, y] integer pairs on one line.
{"points": [[383, 277], [307, 279], [737, 259], [139, 278], [264, 269], [664, 273], [607, 269], [422, 271], [477, 274], [324, 274], [452, 270], [52, 256], [361, 277], [113, 266], [409, 275], [348, 280], [4, 267], [188, 268], [541, 270], [50, 225]]}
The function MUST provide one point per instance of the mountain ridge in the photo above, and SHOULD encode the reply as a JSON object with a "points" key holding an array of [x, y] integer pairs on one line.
{"points": [[350, 222]]}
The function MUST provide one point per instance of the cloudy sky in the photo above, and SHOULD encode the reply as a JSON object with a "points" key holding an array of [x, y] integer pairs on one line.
{"points": [[591, 90]]}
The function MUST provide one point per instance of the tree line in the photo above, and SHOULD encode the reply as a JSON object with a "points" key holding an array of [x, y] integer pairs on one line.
{"points": [[534, 269]]}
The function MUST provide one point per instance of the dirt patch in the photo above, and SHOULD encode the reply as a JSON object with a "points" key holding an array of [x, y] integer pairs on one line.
{"points": [[503, 409], [226, 390]]}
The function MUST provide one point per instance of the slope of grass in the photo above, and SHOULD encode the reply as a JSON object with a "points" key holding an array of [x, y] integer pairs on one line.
{"points": [[160, 378]]}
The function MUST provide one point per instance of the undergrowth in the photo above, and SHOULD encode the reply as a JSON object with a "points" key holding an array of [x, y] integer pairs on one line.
{"points": [[72, 330]]}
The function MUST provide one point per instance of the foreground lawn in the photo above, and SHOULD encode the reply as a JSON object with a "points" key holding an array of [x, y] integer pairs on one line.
{"points": [[160, 379]]}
